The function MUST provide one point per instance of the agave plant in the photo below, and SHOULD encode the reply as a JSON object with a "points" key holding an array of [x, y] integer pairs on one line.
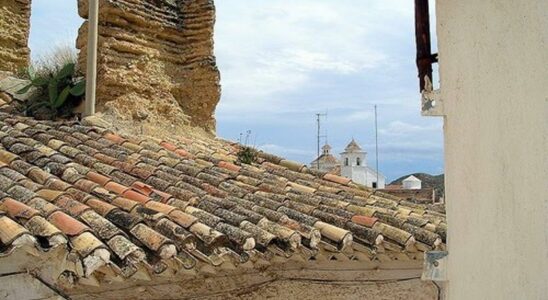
{"points": [[55, 91]]}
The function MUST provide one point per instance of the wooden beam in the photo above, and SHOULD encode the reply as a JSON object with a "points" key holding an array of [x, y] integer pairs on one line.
{"points": [[422, 39]]}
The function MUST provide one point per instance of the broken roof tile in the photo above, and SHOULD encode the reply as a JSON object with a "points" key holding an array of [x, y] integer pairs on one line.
{"points": [[10, 230]]}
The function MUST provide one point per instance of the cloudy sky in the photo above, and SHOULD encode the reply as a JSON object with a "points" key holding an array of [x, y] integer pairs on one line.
{"points": [[283, 61]]}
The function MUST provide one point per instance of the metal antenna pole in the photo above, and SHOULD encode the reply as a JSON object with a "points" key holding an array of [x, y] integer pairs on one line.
{"points": [[318, 136], [376, 146], [318, 115]]}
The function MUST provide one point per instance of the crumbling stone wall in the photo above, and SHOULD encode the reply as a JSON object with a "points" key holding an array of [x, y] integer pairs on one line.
{"points": [[155, 60], [14, 34]]}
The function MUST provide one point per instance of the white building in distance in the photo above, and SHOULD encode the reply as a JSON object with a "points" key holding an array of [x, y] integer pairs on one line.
{"points": [[352, 164], [326, 162], [412, 183]]}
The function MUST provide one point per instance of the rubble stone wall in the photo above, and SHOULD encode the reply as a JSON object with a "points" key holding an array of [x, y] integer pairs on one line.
{"points": [[14, 34], [155, 60]]}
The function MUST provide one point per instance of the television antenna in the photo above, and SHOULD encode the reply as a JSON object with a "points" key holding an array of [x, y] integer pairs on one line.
{"points": [[319, 136]]}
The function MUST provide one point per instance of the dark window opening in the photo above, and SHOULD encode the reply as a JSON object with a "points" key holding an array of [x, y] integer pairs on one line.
{"points": [[374, 184]]}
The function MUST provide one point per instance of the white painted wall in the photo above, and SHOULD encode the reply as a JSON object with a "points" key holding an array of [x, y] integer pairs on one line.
{"points": [[360, 174], [412, 183], [494, 85]]}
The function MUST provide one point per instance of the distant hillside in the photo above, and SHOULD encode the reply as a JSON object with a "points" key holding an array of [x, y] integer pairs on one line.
{"points": [[434, 181]]}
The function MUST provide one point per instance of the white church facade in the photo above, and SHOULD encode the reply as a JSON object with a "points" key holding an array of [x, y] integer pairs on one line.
{"points": [[352, 164]]}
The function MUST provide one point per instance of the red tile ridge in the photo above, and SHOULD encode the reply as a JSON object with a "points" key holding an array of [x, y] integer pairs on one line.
{"points": [[104, 158], [364, 220], [168, 146], [99, 206], [165, 196], [337, 179], [73, 207], [85, 185], [229, 166], [98, 178], [114, 138], [67, 224], [142, 188], [50, 195], [160, 207], [16, 209], [116, 188], [136, 196], [125, 203], [182, 152]]}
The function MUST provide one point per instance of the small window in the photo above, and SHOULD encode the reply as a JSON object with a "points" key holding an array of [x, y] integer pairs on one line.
{"points": [[374, 185], [358, 161], [346, 161]]}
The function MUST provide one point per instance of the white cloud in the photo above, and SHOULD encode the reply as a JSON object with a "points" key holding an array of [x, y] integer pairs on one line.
{"points": [[269, 48], [401, 128]]}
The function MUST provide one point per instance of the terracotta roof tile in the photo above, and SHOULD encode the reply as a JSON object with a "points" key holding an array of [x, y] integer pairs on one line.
{"points": [[229, 166], [67, 224], [135, 196], [40, 227], [158, 204], [10, 230], [125, 203], [86, 243], [102, 207], [125, 249], [142, 188], [98, 178], [114, 138], [116, 188], [365, 221], [71, 206], [103, 228], [153, 240], [16, 209]]}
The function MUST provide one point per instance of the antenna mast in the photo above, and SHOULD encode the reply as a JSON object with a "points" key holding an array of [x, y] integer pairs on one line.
{"points": [[376, 146], [318, 115]]}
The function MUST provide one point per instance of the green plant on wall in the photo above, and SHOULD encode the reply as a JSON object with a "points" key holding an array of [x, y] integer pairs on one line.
{"points": [[247, 155], [57, 91]]}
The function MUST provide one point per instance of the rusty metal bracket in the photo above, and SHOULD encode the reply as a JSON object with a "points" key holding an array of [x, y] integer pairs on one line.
{"points": [[431, 102], [435, 266]]}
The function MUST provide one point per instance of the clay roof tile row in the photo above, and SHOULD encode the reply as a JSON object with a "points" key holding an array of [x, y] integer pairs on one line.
{"points": [[130, 202]]}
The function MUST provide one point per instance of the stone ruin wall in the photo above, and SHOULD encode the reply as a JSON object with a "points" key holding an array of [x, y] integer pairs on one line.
{"points": [[14, 34], [155, 61]]}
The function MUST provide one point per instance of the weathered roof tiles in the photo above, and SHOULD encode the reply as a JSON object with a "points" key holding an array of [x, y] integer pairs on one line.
{"points": [[126, 202]]}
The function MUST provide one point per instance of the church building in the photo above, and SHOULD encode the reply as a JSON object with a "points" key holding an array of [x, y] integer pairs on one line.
{"points": [[352, 164]]}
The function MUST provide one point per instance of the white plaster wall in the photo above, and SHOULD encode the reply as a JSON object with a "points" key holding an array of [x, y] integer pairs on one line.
{"points": [[357, 174], [494, 84], [352, 158], [412, 185], [372, 177]]}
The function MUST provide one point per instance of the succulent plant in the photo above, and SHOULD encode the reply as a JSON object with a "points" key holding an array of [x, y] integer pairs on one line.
{"points": [[56, 90]]}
